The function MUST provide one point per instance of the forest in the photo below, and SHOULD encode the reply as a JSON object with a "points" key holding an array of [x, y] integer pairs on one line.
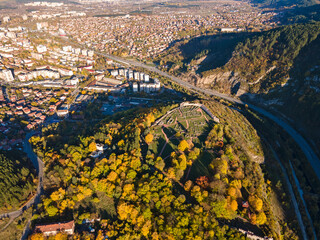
{"points": [[17, 180], [133, 193], [261, 60], [301, 15], [269, 56]]}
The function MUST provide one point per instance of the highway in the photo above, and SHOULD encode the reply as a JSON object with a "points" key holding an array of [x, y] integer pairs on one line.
{"points": [[304, 145], [292, 196]]}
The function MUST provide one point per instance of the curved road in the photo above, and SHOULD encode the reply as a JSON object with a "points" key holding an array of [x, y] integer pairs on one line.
{"points": [[305, 147], [293, 197]]}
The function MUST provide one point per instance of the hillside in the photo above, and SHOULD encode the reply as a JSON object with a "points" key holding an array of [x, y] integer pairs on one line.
{"points": [[278, 67], [301, 15], [252, 62], [16, 180], [300, 97], [166, 171], [262, 62]]}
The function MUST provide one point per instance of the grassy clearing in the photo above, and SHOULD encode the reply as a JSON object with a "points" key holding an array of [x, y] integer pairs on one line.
{"points": [[188, 122], [201, 166], [15, 229]]}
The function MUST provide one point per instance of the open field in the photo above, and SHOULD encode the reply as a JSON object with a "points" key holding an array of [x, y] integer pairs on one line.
{"points": [[15, 229], [190, 123]]}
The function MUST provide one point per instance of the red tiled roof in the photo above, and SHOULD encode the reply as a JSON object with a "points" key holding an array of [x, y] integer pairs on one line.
{"points": [[54, 226]]}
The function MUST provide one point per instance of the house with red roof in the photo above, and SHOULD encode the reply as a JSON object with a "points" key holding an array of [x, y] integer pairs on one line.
{"points": [[54, 228]]}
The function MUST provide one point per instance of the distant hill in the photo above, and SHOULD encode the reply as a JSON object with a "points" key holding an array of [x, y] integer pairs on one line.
{"points": [[280, 66], [282, 3], [301, 15]]}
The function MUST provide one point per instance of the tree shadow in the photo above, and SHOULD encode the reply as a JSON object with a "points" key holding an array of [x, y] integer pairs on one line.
{"points": [[215, 49]]}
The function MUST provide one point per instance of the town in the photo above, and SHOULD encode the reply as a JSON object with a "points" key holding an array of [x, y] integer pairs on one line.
{"points": [[43, 83]]}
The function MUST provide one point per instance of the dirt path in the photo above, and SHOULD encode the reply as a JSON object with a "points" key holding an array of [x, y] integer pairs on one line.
{"points": [[188, 172], [165, 135], [187, 124], [199, 110], [167, 140]]}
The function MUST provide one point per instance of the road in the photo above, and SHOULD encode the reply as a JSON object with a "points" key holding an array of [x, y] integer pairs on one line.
{"points": [[292, 196], [301, 194], [304, 145], [38, 164]]}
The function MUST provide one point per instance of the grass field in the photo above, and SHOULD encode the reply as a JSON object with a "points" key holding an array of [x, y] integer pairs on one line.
{"points": [[188, 122], [15, 229], [201, 166]]}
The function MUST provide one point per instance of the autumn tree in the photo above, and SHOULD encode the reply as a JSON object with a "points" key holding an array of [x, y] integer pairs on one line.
{"points": [[232, 192], [92, 147], [234, 205], [188, 185], [61, 236], [37, 236], [183, 145], [112, 176], [256, 203], [58, 195], [261, 218], [160, 164], [149, 138]]}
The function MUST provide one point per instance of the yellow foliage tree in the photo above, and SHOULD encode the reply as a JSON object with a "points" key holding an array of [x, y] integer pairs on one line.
{"points": [[261, 218], [67, 203], [256, 203], [80, 196], [86, 191], [183, 145], [171, 173], [146, 228], [124, 210], [121, 143], [100, 236], [58, 195], [150, 119], [155, 236], [253, 218], [92, 147], [61, 236], [232, 192], [182, 162], [37, 236], [127, 189], [149, 138], [223, 167], [236, 184], [234, 205], [112, 176]]}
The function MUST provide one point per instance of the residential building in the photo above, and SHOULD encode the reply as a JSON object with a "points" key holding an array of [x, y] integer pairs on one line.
{"points": [[41, 49], [7, 75], [63, 111], [54, 228]]}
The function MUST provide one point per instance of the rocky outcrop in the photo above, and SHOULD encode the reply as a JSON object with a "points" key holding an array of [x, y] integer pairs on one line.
{"points": [[227, 82]]}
